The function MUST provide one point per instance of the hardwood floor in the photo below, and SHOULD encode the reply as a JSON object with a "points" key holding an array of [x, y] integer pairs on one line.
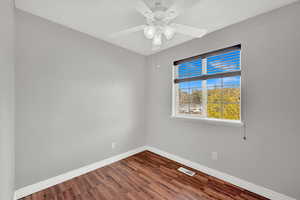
{"points": [[141, 177]]}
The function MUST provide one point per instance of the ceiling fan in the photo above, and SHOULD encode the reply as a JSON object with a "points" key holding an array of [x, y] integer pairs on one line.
{"points": [[159, 23]]}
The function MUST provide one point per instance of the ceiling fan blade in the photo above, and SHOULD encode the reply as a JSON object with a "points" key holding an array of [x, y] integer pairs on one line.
{"points": [[128, 31], [188, 30], [176, 9], [142, 8]]}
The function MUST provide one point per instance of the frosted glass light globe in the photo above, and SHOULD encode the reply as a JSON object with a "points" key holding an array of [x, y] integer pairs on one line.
{"points": [[157, 40], [169, 32], [149, 32]]}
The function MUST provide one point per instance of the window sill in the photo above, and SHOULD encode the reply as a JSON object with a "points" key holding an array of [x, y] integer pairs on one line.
{"points": [[222, 122]]}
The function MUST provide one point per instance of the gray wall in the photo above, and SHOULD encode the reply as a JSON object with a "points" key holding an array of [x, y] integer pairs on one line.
{"points": [[270, 61], [6, 100], [75, 95]]}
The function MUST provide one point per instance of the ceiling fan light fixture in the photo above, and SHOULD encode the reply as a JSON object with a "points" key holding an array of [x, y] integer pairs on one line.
{"points": [[159, 25], [149, 32], [157, 40], [169, 32]]}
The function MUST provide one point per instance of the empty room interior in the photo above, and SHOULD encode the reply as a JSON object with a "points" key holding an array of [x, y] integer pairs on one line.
{"points": [[149, 100]]}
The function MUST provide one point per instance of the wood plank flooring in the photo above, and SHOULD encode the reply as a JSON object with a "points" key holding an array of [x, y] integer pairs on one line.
{"points": [[141, 177]]}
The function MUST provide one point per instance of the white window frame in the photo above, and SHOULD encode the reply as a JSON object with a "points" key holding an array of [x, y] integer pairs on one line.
{"points": [[214, 121]]}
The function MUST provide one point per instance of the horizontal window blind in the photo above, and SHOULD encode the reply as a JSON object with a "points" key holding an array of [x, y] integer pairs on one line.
{"points": [[190, 69], [224, 62], [218, 64]]}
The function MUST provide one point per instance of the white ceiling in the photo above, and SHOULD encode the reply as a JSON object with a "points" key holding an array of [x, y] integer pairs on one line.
{"points": [[100, 18]]}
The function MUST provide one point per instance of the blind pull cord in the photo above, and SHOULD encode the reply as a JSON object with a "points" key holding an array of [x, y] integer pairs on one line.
{"points": [[244, 103]]}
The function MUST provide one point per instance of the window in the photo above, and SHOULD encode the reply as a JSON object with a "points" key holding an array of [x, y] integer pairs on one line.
{"points": [[209, 85]]}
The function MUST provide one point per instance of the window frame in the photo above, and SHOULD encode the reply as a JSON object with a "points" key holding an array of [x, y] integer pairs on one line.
{"points": [[214, 121]]}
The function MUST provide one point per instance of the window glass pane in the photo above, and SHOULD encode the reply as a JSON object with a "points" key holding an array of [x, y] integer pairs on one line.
{"points": [[190, 84], [214, 91], [214, 83], [214, 110], [231, 97], [224, 98], [231, 89], [231, 111], [232, 82], [190, 98], [184, 100], [214, 98], [196, 101]]}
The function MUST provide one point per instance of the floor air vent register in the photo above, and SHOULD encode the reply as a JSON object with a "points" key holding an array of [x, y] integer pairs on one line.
{"points": [[186, 171]]}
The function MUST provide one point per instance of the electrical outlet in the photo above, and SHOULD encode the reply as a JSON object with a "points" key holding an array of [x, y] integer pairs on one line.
{"points": [[113, 145], [214, 155]]}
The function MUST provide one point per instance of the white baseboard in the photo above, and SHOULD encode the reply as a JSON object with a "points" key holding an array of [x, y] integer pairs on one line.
{"points": [[28, 190], [223, 176]]}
